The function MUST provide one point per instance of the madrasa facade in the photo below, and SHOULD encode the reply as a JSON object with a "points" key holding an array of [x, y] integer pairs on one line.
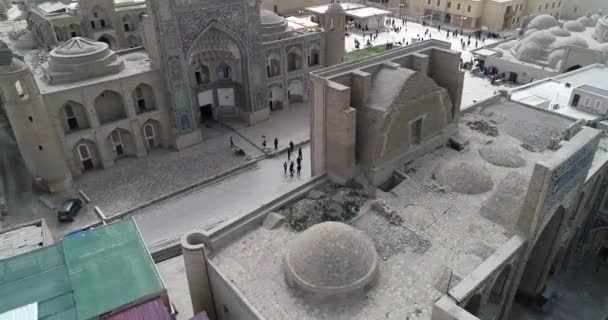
{"points": [[96, 100]]}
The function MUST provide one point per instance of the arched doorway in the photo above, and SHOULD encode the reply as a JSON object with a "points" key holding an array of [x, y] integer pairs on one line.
{"points": [[294, 59], [121, 143], [74, 117], [108, 40], [151, 133], [143, 97], [447, 19], [541, 258], [295, 91], [497, 294], [473, 305], [85, 155], [217, 63], [275, 97], [109, 107], [273, 65], [314, 55]]}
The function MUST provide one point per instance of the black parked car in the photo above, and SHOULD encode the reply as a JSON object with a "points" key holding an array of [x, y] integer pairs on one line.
{"points": [[69, 210]]}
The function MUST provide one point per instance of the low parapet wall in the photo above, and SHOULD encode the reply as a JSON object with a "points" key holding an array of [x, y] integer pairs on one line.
{"points": [[232, 229]]}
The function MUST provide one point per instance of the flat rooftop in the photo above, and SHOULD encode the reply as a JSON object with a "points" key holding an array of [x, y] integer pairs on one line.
{"points": [[21, 240], [441, 230], [553, 91], [322, 8], [82, 276], [367, 12]]}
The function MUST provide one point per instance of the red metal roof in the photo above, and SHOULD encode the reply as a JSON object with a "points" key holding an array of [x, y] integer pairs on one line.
{"points": [[150, 310]]}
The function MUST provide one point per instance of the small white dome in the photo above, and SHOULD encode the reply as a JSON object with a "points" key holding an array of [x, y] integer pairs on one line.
{"points": [[559, 32], [574, 26], [530, 51], [573, 41], [542, 22], [543, 38], [586, 21]]}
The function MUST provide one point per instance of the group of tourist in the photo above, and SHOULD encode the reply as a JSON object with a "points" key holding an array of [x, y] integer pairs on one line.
{"points": [[291, 165]]}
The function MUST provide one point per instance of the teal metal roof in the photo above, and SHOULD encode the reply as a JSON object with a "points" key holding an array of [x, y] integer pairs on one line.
{"points": [[82, 276]]}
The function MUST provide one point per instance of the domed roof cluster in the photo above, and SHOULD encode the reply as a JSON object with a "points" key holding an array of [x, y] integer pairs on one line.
{"points": [[79, 59], [544, 40], [330, 259]]}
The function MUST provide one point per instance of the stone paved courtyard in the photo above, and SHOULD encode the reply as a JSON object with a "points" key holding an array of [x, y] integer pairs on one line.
{"points": [[132, 182]]}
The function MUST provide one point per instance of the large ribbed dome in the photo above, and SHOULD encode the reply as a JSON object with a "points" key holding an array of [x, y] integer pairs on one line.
{"points": [[269, 17], [331, 259], [78, 59], [273, 26], [79, 46]]}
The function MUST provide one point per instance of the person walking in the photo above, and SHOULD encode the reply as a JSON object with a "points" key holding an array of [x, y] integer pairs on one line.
{"points": [[231, 142], [291, 145], [276, 143], [288, 153], [299, 161], [264, 142], [300, 152], [291, 169], [299, 168], [285, 167]]}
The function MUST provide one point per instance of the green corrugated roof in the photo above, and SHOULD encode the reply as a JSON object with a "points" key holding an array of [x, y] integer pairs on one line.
{"points": [[82, 276]]}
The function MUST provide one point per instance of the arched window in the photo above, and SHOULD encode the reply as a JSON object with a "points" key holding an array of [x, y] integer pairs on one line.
{"points": [[126, 23], [84, 152], [314, 56], [143, 97], [117, 143], [201, 74], [86, 157], [150, 135], [294, 59], [273, 65], [74, 30], [449, 5], [20, 90], [224, 72]]}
